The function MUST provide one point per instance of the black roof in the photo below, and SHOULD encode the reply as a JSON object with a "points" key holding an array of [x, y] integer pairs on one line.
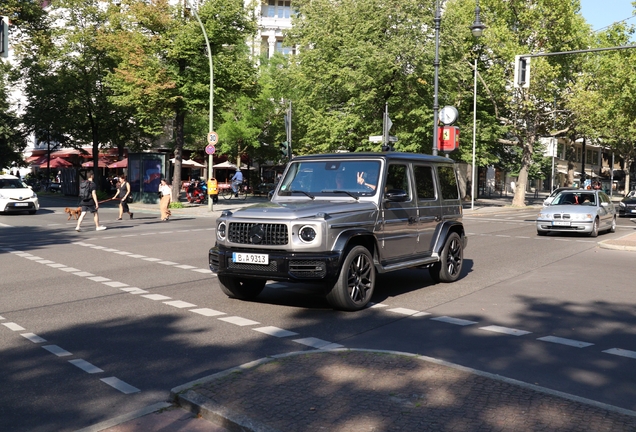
{"points": [[384, 155]]}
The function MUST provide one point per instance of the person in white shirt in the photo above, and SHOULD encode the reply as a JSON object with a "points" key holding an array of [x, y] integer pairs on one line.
{"points": [[166, 197]]}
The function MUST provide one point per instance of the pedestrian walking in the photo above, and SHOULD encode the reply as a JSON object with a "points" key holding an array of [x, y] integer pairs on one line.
{"points": [[122, 194], [89, 203], [166, 196]]}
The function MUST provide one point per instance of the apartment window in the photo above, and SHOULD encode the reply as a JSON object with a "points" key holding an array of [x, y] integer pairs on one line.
{"points": [[278, 9], [285, 50], [592, 157], [579, 152]]}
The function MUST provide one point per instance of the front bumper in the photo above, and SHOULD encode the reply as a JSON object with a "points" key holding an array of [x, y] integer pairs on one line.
{"points": [[627, 211], [575, 226], [283, 266], [11, 205]]}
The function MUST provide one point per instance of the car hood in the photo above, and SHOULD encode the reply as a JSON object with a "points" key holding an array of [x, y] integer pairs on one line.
{"points": [[17, 194], [303, 209], [572, 209], [629, 200]]}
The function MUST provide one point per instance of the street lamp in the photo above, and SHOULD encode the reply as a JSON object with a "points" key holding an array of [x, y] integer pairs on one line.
{"points": [[477, 29], [207, 43], [437, 20]]}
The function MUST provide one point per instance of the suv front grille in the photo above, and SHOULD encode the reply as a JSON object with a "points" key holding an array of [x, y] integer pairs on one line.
{"points": [[257, 233]]}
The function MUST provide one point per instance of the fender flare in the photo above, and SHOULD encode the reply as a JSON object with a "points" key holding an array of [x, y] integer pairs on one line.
{"points": [[442, 234]]}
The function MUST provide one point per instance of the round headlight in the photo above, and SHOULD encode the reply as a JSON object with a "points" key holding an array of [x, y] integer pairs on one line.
{"points": [[307, 234], [221, 231]]}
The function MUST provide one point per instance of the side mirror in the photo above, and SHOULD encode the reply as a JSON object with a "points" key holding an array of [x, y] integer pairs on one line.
{"points": [[396, 195]]}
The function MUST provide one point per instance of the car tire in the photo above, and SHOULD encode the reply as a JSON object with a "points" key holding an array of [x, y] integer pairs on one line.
{"points": [[613, 226], [542, 233], [449, 267], [356, 282], [242, 289], [594, 232]]}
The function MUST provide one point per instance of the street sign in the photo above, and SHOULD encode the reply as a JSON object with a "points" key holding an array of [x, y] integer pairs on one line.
{"points": [[210, 149], [213, 138], [375, 138], [393, 138]]}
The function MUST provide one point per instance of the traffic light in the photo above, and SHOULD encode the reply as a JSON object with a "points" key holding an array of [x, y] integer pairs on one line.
{"points": [[4, 36], [522, 72], [285, 149]]}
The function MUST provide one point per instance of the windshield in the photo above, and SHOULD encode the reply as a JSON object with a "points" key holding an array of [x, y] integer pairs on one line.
{"points": [[333, 177], [11, 184], [575, 198]]}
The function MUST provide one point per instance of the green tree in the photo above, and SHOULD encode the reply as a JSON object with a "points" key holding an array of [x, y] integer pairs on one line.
{"points": [[64, 72], [355, 56], [603, 103], [12, 138], [162, 69]]}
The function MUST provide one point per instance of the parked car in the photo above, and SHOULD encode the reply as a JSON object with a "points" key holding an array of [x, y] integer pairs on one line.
{"points": [[627, 206], [581, 211], [336, 221], [17, 196], [555, 192]]}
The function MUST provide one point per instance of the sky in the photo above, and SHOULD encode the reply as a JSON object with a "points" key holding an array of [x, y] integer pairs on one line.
{"points": [[601, 13]]}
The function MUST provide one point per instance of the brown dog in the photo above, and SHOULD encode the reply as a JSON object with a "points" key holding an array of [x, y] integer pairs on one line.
{"points": [[73, 212]]}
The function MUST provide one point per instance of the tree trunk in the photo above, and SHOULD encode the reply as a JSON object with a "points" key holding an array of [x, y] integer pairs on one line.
{"points": [[178, 154], [519, 199]]}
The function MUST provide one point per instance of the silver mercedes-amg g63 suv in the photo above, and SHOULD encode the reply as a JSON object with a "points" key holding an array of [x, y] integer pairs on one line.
{"points": [[337, 220]]}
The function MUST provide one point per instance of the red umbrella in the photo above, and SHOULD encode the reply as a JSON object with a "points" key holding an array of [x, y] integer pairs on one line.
{"points": [[56, 163], [101, 163], [119, 164]]}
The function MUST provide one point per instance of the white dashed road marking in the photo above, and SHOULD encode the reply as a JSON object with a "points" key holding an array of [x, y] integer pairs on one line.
{"points": [[403, 311], [505, 330], [156, 297], [207, 312], [456, 321], [275, 331], [86, 366], [564, 341], [239, 321], [13, 326], [621, 352], [180, 304], [33, 337], [317, 343], [118, 384], [54, 349]]}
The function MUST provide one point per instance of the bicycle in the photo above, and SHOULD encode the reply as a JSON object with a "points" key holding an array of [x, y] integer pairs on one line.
{"points": [[243, 191]]}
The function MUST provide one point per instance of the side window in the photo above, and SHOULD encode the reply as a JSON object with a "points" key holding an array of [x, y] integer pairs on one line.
{"points": [[448, 182], [397, 178], [424, 184]]}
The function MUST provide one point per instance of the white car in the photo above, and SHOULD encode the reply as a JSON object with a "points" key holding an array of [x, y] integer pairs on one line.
{"points": [[16, 196]]}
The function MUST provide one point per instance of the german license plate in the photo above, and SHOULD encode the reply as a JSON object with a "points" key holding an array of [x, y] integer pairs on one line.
{"points": [[560, 223], [21, 204], [250, 258]]}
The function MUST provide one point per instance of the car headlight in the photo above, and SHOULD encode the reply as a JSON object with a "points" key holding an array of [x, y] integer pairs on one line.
{"points": [[307, 234], [221, 231], [587, 216], [621, 204], [545, 215]]}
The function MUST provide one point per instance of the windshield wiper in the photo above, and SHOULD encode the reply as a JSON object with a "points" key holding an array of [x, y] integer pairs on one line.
{"points": [[306, 193], [345, 192]]}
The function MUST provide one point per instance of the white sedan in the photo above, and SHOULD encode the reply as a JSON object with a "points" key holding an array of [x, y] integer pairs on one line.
{"points": [[580, 211], [16, 196]]}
